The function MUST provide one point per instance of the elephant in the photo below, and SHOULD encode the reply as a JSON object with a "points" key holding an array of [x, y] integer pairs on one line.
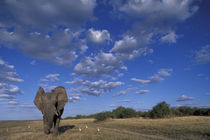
{"points": [[52, 106]]}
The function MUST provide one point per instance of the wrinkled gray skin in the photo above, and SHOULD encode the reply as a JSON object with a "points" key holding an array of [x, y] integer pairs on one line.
{"points": [[51, 105]]}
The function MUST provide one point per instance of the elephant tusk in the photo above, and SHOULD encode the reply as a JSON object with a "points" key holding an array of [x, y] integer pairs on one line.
{"points": [[56, 113]]}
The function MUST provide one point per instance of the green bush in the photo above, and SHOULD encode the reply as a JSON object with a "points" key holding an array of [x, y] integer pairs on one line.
{"points": [[103, 116], [202, 112], [176, 112], [122, 112], [139, 114], [146, 114], [161, 110], [186, 111]]}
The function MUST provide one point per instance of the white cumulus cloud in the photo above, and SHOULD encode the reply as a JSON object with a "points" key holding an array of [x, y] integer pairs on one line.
{"points": [[98, 36], [95, 87], [142, 91], [156, 78], [184, 98], [202, 55], [102, 64], [169, 38]]}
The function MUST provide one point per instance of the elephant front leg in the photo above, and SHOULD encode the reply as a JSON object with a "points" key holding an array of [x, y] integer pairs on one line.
{"points": [[56, 126]]}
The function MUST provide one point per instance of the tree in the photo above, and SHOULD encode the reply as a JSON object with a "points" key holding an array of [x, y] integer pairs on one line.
{"points": [[122, 112], [161, 110], [186, 111], [103, 116]]}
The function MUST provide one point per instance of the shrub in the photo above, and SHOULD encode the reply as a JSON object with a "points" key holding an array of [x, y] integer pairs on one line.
{"points": [[146, 114], [186, 111], [202, 112], [103, 116], [161, 110], [122, 112], [139, 114], [176, 112]]}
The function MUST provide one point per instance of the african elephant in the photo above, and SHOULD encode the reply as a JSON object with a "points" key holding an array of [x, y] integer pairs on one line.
{"points": [[52, 106]]}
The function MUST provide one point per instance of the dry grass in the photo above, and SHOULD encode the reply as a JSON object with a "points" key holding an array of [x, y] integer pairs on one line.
{"points": [[117, 129]]}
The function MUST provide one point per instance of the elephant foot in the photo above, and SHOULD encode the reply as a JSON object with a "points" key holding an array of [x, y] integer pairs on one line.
{"points": [[55, 133], [47, 132]]}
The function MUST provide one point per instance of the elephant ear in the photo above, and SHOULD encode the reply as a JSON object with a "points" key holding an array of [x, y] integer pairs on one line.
{"points": [[38, 99], [61, 97]]}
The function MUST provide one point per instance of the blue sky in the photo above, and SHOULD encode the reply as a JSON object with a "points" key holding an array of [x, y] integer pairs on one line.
{"points": [[131, 53]]}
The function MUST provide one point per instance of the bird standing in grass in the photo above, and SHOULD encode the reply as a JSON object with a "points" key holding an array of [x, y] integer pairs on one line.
{"points": [[98, 130], [86, 126], [80, 129]]}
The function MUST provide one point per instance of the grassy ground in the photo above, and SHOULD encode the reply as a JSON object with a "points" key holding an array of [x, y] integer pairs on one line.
{"points": [[196, 128]]}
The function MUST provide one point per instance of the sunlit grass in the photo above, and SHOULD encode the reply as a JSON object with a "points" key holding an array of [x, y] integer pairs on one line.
{"points": [[117, 129]]}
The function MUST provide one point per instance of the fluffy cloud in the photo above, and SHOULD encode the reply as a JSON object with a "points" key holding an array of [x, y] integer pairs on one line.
{"points": [[49, 81], [95, 87], [156, 78], [184, 98], [122, 92], [33, 62], [153, 20], [148, 26], [98, 36], [7, 73], [107, 63], [44, 30], [164, 72], [5, 66], [102, 64], [113, 105], [57, 48], [26, 106], [48, 87], [142, 91], [166, 8], [202, 55], [171, 11], [75, 98], [8, 91], [47, 13], [53, 77], [129, 48], [169, 38], [126, 45], [125, 101]]}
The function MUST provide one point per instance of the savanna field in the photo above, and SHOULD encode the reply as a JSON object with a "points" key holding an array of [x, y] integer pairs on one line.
{"points": [[189, 128]]}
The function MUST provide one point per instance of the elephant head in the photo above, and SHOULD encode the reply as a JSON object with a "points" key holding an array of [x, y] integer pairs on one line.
{"points": [[51, 105]]}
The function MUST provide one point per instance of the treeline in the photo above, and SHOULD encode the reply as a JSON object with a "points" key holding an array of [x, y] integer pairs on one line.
{"points": [[161, 110]]}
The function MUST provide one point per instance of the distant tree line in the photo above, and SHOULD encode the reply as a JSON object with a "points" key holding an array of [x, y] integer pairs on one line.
{"points": [[161, 110]]}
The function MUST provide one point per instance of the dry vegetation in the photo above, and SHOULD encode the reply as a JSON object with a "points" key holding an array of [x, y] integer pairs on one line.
{"points": [[116, 129]]}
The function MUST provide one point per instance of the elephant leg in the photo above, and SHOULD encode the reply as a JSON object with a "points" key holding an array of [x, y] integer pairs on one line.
{"points": [[56, 126]]}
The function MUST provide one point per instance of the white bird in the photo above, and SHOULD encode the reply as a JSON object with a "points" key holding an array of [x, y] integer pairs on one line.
{"points": [[98, 129], [80, 129], [86, 126], [29, 126]]}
